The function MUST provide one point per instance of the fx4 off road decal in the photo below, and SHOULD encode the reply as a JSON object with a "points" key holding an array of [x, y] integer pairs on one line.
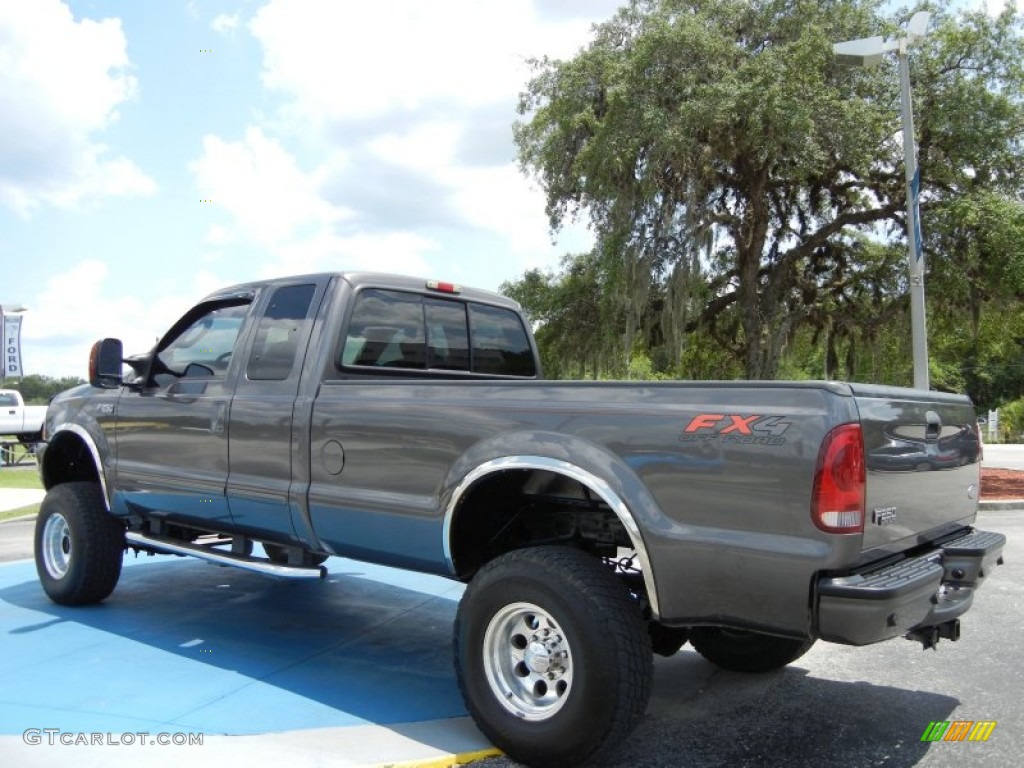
{"points": [[739, 429]]}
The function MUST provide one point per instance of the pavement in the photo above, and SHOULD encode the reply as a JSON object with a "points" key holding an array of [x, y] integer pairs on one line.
{"points": [[351, 671], [13, 498], [354, 671]]}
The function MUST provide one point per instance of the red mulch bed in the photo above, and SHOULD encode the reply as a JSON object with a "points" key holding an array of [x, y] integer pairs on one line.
{"points": [[1002, 484]]}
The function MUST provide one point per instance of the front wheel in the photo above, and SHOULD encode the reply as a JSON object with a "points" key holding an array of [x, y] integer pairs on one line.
{"points": [[552, 656], [744, 651], [79, 545]]}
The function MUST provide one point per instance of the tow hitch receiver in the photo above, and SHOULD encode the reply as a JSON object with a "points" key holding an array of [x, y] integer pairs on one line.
{"points": [[929, 636]]}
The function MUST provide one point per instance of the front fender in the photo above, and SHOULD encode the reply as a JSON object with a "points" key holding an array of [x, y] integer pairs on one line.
{"points": [[67, 420]]}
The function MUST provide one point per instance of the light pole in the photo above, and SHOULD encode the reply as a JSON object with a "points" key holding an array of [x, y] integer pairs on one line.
{"points": [[868, 52]]}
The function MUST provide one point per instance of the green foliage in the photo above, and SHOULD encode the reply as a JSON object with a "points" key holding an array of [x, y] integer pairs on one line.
{"points": [[39, 390], [748, 194], [1011, 422]]}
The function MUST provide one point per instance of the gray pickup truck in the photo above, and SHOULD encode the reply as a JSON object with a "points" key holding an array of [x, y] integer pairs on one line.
{"points": [[405, 422]]}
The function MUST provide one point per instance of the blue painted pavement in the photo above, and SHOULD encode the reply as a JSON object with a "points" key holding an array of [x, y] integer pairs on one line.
{"points": [[183, 645]]}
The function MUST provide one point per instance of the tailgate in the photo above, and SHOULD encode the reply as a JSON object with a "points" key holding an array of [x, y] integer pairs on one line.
{"points": [[923, 458]]}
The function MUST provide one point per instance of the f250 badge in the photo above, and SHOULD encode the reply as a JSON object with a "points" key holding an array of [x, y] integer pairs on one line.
{"points": [[755, 429], [884, 515]]}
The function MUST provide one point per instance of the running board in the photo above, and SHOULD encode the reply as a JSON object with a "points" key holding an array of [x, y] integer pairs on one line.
{"points": [[246, 562]]}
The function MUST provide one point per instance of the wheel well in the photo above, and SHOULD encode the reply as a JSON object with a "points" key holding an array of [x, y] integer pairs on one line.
{"points": [[68, 459], [519, 508]]}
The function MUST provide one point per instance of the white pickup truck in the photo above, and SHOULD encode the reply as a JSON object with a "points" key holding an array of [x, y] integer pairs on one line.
{"points": [[25, 422]]}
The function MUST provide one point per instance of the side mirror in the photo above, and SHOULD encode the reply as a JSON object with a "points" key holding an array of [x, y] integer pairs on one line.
{"points": [[105, 361]]}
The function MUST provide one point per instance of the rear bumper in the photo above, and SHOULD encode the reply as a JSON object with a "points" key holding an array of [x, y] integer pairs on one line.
{"points": [[923, 591]]}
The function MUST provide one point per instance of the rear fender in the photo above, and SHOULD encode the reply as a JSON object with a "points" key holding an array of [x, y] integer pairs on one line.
{"points": [[602, 472]]}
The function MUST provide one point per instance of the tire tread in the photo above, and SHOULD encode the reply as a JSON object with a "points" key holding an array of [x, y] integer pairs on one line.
{"points": [[587, 578], [758, 653], [95, 574]]}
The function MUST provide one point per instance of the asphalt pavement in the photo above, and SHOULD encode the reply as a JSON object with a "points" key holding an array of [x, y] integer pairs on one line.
{"points": [[848, 707], [356, 672]]}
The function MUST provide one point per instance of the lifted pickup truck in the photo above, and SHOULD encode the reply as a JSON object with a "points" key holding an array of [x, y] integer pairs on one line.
{"points": [[405, 422], [25, 422]]}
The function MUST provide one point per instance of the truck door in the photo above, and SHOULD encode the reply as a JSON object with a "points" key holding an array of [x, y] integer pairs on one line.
{"points": [[261, 442], [10, 413], [171, 435]]}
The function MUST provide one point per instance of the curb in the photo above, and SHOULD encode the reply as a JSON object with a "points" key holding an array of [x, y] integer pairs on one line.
{"points": [[1001, 505], [18, 519], [463, 758]]}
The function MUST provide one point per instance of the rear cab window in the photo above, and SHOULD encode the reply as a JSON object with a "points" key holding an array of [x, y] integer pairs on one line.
{"points": [[397, 331]]}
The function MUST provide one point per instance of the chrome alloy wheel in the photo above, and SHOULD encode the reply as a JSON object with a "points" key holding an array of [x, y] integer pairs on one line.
{"points": [[56, 546], [528, 661]]}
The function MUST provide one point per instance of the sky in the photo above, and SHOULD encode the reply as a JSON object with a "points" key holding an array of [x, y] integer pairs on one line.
{"points": [[152, 151]]}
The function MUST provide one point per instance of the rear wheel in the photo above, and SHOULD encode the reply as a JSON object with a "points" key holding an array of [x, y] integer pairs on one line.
{"points": [[744, 651], [552, 656], [79, 545]]}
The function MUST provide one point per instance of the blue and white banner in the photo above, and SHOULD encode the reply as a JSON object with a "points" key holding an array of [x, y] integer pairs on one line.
{"points": [[10, 332]]}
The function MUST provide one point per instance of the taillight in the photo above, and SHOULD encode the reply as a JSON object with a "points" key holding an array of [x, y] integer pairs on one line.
{"points": [[837, 505]]}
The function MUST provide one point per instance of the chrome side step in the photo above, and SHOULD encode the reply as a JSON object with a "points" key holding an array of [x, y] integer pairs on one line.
{"points": [[246, 562]]}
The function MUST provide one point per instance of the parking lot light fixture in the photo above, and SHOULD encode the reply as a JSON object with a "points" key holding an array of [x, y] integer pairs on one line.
{"points": [[868, 52]]}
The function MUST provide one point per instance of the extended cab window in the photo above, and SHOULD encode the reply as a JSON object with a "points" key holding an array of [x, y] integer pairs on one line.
{"points": [[393, 329], [203, 348], [500, 343], [277, 337]]}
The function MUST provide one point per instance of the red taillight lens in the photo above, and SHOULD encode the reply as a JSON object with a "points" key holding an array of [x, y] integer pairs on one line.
{"points": [[837, 505]]}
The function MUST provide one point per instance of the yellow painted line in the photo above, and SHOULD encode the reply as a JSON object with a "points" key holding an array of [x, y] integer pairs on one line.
{"points": [[449, 761]]}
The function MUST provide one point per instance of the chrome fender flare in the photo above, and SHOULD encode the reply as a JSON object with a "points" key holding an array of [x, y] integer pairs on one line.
{"points": [[582, 476], [86, 438]]}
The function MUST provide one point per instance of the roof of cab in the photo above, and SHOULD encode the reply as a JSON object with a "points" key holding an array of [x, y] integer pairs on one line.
{"points": [[360, 280]]}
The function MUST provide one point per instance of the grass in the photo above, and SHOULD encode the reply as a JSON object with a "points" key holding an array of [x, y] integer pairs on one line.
{"points": [[23, 476], [31, 509], [19, 477]]}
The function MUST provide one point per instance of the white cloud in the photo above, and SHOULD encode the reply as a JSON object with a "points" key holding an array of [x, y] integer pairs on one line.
{"points": [[407, 107], [355, 60], [61, 82], [428, 88], [275, 205], [75, 308], [225, 23], [259, 183], [399, 252]]}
